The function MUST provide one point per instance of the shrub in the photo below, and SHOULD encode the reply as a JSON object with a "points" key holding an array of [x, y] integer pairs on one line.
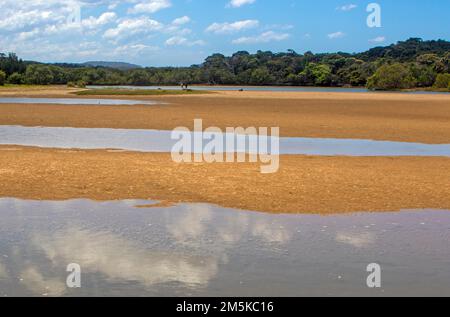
{"points": [[81, 84], [442, 81], [38, 75], [2, 78], [78, 84], [15, 79], [391, 77], [316, 74]]}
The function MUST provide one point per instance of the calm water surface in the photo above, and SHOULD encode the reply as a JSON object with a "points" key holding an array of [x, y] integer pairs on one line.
{"points": [[76, 101], [160, 141], [202, 250]]}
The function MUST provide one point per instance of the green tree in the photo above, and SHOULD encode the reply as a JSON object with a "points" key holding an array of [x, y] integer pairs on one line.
{"points": [[428, 59], [11, 63], [138, 77], [391, 77], [424, 75], [2, 77], [418, 63], [261, 76], [355, 72], [15, 79], [446, 63], [442, 81], [38, 75], [316, 74], [322, 75]]}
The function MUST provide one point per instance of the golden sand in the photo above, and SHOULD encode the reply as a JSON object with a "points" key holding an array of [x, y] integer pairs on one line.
{"points": [[396, 117], [303, 185]]}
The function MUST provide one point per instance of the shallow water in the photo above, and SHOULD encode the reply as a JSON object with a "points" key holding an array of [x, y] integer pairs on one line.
{"points": [[260, 88], [202, 250], [76, 101], [160, 141]]}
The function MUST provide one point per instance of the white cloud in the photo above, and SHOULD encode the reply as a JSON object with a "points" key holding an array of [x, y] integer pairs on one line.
{"points": [[262, 38], [379, 39], [182, 41], [227, 28], [181, 21], [240, 3], [150, 6], [347, 7], [336, 35], [23, 36], [103, 19], [134, 49], [21, 19], [130, 27]]}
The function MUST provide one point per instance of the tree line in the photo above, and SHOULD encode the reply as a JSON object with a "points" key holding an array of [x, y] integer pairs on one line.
{"points": [[407, 64]]}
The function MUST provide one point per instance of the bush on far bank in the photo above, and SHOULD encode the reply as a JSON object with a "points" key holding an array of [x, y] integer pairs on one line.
{"points": [[78, 84], [391, 77], [442, 81], [15, 79], [2, 78]]}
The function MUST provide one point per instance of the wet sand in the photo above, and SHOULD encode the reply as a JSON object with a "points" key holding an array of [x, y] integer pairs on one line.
{"points": [[377, 116], [324, 185]]}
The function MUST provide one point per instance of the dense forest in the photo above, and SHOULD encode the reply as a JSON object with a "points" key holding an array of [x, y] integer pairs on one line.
{"points": [[408, 64]]}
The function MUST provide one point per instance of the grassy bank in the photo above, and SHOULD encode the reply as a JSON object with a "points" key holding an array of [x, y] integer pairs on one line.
{"points": [[138, 92]]}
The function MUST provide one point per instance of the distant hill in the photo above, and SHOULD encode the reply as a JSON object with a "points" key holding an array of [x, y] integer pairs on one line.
{"points": [[116, 65]]}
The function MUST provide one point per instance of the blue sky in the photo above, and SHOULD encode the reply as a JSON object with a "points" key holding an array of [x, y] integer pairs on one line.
{"points": [[184, 32]]}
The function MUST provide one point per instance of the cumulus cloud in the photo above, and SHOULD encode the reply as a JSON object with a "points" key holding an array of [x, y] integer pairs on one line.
{"points": [[134, 49], [181, 20], [103, 19], [265, 37], [240, 3], [75, 30], [336, 35], [130, 27], [227, 28], [182, 41], [150, 6], [23, 36], [22, 19]]}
